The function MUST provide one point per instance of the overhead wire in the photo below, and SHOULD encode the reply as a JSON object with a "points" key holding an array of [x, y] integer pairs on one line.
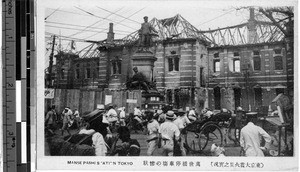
{"points": [[66, 24], [216, 17], [118, 15], [80, 29], [72, 38], [101, 17], [120, 21], [70, 12], [51, 13], [93, 24]]}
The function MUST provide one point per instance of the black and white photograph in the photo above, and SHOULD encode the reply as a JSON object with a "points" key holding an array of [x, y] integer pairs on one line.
{"points": [[167, 85]]}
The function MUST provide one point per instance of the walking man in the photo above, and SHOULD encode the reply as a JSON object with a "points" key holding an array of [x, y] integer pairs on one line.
{"points": [[168, 134], [181, 121], [66, 120], [250, 137]]}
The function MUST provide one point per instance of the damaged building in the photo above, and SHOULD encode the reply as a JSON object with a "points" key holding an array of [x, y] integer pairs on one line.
{"points": [[243, 65]]}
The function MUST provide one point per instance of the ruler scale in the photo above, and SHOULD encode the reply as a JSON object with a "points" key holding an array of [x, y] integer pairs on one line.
{"points": [[9, 86], [17, 45]]}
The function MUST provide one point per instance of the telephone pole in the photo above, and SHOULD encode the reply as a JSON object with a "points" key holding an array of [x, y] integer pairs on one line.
{"points": [[51, 64]]}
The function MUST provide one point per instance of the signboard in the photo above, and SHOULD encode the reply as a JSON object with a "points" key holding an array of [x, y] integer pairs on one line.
{"points": [[49, 93], [131, 100], [108, 99]]}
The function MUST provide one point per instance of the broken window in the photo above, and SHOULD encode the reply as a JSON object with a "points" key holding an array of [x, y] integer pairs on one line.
{"points": [[235, 54], [278, 63], [216, 55], [217, 65], [116, 65], [236, 65], [170, 64], [62, 73], [256, 63], [77, 73], [173, 61], [88, 73]]}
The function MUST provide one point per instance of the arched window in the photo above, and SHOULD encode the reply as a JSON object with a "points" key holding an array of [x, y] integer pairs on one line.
{"points": [[278, 63]]}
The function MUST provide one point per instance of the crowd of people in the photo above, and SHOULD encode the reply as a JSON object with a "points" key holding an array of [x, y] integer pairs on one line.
{"points": [[164, 130]]}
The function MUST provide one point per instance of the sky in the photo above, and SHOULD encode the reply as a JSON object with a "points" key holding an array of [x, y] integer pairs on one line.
{"points": [[82, 20]]}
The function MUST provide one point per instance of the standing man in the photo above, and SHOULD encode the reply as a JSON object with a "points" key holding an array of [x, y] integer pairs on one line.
{"points": [[145, 33], [152, 127], [66, 120], [168, 134], [250, 137], [181, 121], [50, 119]]}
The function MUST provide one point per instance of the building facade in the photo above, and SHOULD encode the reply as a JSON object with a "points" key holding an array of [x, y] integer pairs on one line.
{"points": [[188, 71], [250, 76]]}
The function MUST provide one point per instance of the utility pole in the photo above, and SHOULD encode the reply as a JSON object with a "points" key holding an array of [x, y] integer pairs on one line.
{"points": [[51, 63]]}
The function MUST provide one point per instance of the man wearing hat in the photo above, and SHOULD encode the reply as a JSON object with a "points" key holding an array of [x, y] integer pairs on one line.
{"points": [[145, 33], [251, 135], [168, 132]]}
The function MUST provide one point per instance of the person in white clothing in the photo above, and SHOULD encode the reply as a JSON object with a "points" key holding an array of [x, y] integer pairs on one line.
{"points": [[251, 136], [111, 115], [152, 127], [168, 132], [192, 114], [181, 121], [67, 122], [138, 114], [97, 127], [122, 116]]}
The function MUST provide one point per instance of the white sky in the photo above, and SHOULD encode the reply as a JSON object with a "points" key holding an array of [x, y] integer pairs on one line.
{"points": [[201, 14]]}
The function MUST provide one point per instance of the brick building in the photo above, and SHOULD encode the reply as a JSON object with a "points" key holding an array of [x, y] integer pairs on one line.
{"points": [[249, 76], [192, 68]]}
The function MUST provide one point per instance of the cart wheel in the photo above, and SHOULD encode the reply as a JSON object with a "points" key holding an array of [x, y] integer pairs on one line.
{"points": [[192, 141], [209, 134]]}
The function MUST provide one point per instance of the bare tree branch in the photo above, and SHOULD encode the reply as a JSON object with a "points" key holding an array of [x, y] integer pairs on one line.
{"points": [[269, 15]]}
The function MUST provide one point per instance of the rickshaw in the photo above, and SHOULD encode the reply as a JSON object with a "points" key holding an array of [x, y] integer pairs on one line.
{"points": [[202, 133]]}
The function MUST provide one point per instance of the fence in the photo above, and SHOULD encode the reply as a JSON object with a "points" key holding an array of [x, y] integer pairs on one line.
{"points": [[87, 100]]}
